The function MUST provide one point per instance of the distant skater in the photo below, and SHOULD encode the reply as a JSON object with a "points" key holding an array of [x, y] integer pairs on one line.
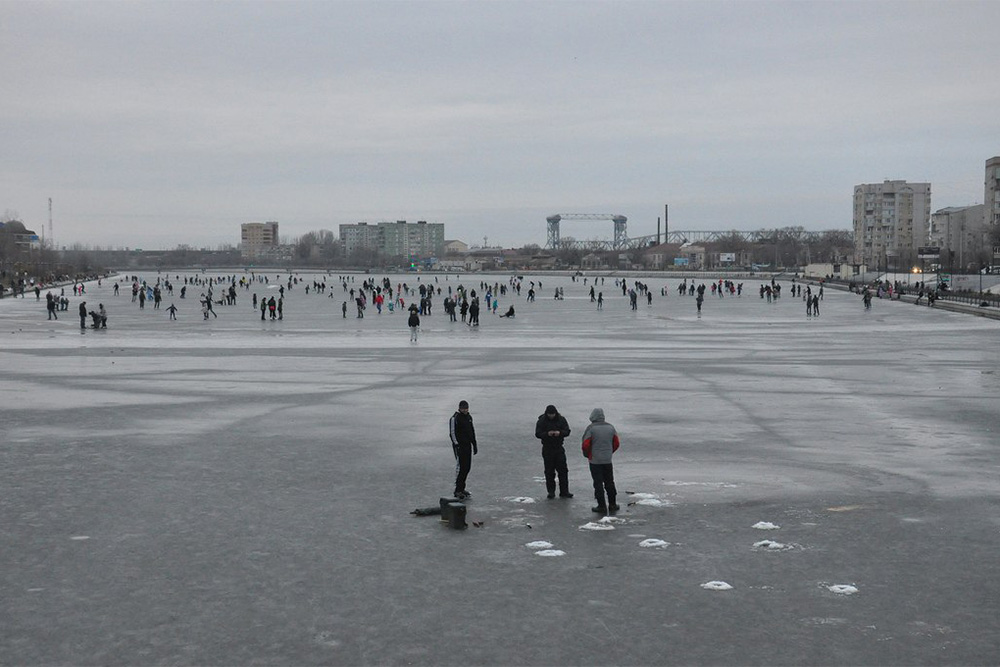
{"points": [[172, 309]]}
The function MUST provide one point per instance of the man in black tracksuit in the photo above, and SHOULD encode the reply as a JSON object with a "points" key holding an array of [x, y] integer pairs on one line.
{"points": [[463, 443], [552, 428]]}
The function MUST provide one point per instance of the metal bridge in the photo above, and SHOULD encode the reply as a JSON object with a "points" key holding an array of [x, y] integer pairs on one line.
{"points": [[621, 240]]}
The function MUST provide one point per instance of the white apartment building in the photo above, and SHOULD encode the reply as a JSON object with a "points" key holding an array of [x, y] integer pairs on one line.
{"points": [[394, 239], [891, 220]]}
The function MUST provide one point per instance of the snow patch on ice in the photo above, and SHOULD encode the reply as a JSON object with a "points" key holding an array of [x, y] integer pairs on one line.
{"points": [[771, 545], [612, 519], [653, 543], [842, 589], [597, 526], [539, 544], [520, 499], [652, 502], [721, 485], [643, 495], [79, 538], [765, 525], [716, 586], [550, 552]]}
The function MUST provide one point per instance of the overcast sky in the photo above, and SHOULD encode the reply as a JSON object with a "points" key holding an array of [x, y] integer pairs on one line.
{"points": [[152, 124]]}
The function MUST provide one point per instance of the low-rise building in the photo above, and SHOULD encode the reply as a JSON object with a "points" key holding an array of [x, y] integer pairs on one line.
{"points": [[455, 247], [21, 236]]}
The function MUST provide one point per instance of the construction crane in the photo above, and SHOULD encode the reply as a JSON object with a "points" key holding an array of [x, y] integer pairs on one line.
{"points": [[620, 237]]}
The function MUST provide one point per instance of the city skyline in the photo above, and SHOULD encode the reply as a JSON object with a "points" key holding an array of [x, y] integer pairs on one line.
{"points": [[159, 124]]}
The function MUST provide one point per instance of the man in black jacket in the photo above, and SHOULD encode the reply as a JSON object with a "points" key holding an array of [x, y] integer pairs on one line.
{"points": [[463, 443], [552, 428]]}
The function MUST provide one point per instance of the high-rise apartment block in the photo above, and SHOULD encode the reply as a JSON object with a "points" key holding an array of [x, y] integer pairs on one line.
{"points": [[258, 238], [991, 195], [891, 220], [394, 239]]}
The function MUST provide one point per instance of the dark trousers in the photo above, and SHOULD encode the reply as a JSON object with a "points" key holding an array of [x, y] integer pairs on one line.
{"points": [[463, 463], [604, 480], [554, 457]]}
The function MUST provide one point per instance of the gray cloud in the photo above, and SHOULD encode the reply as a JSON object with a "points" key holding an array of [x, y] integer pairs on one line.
{"points": [[162, 123]]}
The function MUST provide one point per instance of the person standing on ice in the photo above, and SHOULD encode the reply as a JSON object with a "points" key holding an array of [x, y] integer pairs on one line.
{"points": [[600, 442], [463, 444], [552, 428], [474, 313], [83, 314], [413, 323]]}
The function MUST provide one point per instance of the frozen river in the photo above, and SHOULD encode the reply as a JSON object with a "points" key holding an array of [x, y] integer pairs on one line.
{"points": [[234, 491]]}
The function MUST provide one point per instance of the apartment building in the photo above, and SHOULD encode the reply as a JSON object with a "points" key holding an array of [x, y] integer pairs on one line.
{"points": [[991, 193], [962, 234], [258, 238], [394, 239], [891, 220]]}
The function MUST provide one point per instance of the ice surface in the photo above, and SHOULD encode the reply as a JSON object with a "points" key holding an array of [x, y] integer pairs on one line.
{"points": [[246, 485]]}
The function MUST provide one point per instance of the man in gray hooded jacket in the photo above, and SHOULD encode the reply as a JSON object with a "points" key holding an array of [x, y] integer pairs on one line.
{"points": [[600, 442]]}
